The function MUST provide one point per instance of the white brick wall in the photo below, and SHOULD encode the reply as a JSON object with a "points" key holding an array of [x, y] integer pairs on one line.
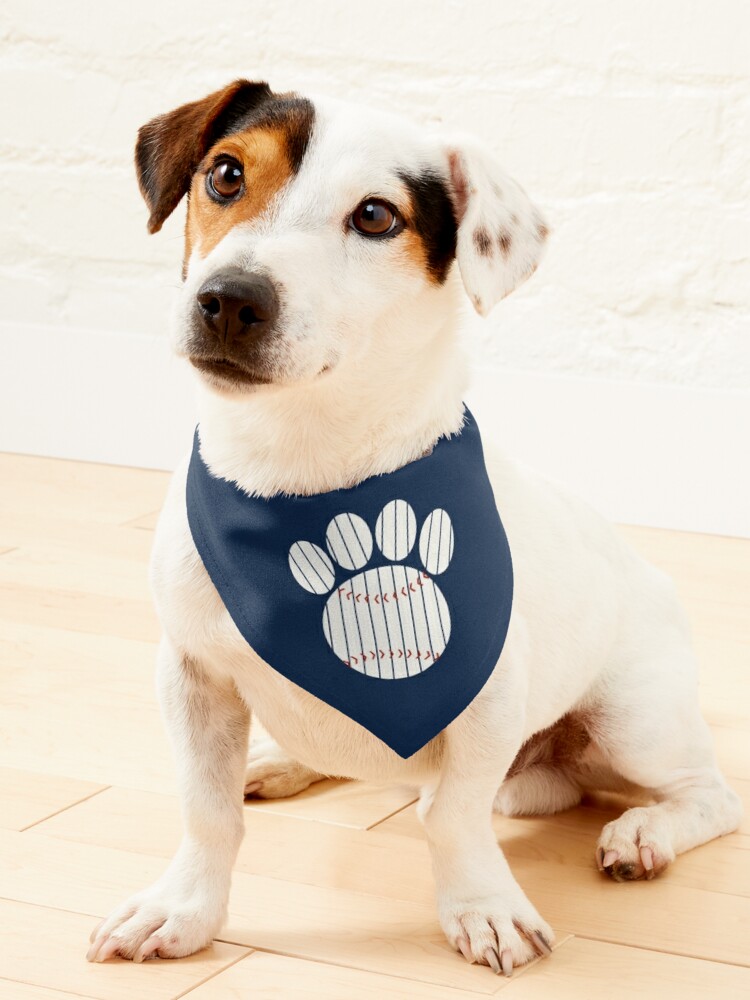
{"points": [[628, 121]]}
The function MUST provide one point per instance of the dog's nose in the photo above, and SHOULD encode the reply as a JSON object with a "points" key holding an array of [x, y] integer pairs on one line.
{"points": [[234, 305]]}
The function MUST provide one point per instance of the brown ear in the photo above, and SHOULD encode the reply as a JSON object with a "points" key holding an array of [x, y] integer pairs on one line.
{"points": [[170, 147]]}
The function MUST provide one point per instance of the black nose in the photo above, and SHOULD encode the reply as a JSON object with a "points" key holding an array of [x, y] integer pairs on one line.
{"points": [[234, 305]]}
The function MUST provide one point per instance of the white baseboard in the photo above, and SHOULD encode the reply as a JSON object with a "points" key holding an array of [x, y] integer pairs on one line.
{"points": [[650, 454]]}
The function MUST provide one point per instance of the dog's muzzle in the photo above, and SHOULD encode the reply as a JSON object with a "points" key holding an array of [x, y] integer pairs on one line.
{"points": [[234, 313]]}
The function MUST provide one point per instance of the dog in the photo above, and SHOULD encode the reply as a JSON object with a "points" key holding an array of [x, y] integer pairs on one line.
{"points": [[326, 246]]}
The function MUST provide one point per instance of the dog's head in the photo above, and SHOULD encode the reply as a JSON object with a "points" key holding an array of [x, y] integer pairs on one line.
{"points": [[312, 225]]}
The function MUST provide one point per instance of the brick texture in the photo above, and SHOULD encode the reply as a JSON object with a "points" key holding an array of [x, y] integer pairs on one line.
{"points": [[629, 123]]}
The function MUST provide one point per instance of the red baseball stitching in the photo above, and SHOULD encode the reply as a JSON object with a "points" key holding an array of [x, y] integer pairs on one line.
{"points": [[393, 654], [385, 595]]}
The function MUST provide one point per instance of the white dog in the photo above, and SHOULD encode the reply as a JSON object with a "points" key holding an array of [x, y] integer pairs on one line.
{"points": [[320, 308]]}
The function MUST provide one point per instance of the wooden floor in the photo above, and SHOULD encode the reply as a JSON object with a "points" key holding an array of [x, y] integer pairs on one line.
{"points": [[332, 895]]}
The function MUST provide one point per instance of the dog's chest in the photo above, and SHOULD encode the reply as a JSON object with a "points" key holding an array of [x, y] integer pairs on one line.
{"points": [[197, 622]]}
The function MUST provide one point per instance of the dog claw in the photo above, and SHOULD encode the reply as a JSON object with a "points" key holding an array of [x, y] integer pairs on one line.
{"points": [[95, 933], [107, 950], [463, 947], [149, 949], [647, 860], [493, 961], [541, 943], [600, 858], [506, 963], [94, 949], [609, 858]]}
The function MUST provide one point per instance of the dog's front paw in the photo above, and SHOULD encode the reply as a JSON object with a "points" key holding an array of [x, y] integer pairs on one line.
{"points": [[497, 931], [156, 923], [273, 774]]}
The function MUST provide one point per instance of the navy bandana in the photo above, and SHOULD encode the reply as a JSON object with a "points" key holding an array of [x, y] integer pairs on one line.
{"points": [[390, 601]]}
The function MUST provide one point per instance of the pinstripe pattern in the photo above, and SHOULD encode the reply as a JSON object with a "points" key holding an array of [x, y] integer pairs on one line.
{"points": [[388, 622], [391, 621], [436, 542], [396, 530], [311, 567], [349, 541]]}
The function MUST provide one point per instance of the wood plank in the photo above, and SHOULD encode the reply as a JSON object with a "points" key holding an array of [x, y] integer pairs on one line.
{"points": [[27, 798], [129, 819], [338, 926], [276, 977], [585, 968], [23, 528], [357, 804], [732, 751], [724, 678], [45, 566], [708, 564], [275, 846], [82, 491], [45, 948], [390, 860], [71, 701], [27, 991], [79, 611], [147, 522]]}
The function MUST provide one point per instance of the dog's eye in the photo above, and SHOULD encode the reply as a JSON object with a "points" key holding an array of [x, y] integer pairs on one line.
{"points": [[224, 181], [374, 217]]}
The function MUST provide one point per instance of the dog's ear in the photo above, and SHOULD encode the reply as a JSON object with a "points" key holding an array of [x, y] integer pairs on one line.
{"points": [[170, 147], [501, 234]]}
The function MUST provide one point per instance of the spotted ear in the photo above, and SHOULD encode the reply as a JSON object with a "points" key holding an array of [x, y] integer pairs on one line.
{"points": [[170, 147], [501, 234]]}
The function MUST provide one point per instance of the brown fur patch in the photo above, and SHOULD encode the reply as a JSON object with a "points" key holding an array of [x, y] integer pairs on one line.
{"points": [[170, 147], [429, 237], [542, 231], [412, 249], [561, 745], [504, 241], [459, 183], [482, 242], [264, 155]]}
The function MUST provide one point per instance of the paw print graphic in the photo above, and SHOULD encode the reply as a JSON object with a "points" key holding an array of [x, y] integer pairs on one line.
{"points": [[388, 621]]}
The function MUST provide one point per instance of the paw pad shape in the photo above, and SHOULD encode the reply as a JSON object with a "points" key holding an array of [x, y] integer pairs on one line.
{"points": [[388, 621]]}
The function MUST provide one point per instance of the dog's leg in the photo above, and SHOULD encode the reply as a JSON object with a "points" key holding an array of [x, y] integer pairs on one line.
{"points": [[184, 909], [484, 912], [539, 790], [272, 774], [652, 732]]}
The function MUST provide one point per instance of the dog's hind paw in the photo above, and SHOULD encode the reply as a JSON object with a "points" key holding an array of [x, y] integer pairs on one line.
{"points": [[636, 845], [273, 774]]}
